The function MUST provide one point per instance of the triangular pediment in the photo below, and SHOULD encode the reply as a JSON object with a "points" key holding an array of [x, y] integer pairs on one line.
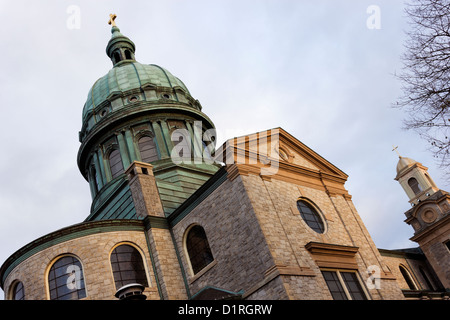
{"points": [[275, 145], [302, 155], [276, 154]]}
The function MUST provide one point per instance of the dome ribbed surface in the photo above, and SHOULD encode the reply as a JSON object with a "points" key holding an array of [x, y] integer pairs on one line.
{"points": [[129, 76]]}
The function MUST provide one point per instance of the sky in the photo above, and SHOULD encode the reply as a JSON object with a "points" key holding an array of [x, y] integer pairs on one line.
{"points": [[324, 71]]}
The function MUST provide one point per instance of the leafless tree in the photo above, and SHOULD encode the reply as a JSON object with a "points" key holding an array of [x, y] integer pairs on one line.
{"points": [[425, 76]]}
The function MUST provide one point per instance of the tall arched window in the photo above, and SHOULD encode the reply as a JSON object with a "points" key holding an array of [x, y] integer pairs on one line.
{"points": [[127, 266], [115, 163], [414, 184], [198, 249], [147, 148], [181, 144], [406, 275], [18, 292], [66, 280]]}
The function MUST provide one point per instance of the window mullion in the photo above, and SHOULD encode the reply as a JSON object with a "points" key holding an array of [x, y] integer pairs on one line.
{"points": [[344, 285]]}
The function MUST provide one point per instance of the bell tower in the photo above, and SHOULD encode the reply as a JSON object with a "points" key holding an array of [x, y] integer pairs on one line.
{"points": [[415, 180], [429, 215]]}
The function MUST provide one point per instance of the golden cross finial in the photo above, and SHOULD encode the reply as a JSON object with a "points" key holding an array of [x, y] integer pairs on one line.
{"points": [[395, 149], [112, 17]]}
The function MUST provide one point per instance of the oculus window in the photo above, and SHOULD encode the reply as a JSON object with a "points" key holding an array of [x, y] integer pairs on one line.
{"points": [[311, 216]]}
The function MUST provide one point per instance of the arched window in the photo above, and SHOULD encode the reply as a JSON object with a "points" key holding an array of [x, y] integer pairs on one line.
{"points": [[311, 216], [181, 144], [127, 266], [414, 184], [66, 280], [115, 163], [408, 278], [207, 152], [198, 250], [116, 56], [128, 55], [18, 292], [147, 148]]}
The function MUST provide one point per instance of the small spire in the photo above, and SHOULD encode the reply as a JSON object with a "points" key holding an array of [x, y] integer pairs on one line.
{"points": [[120, 48]]}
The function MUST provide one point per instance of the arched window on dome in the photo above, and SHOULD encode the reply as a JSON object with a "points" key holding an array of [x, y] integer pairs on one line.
{"points": [[127, 266], [18, 291], [182, 145], [198, 249], [115, 163], [414, 185], [116, 56], [147, 149], [128, 55], [66, 280]]}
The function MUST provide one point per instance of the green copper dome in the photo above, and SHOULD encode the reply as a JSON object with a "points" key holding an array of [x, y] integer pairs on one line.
{"points": [[141, 112], [127, 76]]}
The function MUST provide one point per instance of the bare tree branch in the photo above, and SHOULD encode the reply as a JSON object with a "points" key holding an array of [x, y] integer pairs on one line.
{"points": [[425, 75]]}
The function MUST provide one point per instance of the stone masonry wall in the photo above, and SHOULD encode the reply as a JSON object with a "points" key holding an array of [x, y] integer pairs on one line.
{"points": [[93, 251], [286, 233], [240, 252]]}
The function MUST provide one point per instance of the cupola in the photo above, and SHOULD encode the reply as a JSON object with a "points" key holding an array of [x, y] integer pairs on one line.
{"points": [[415, 180], [120, 48]]}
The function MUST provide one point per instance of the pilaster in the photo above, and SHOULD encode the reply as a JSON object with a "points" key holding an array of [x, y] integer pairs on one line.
{"points": [[160, 243]]}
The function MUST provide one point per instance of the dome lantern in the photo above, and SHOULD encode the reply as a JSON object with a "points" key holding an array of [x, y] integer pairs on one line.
{"points": [[120, 48]]}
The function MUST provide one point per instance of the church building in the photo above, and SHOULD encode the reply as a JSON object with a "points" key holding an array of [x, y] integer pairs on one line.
{"points": [[174, 216]]}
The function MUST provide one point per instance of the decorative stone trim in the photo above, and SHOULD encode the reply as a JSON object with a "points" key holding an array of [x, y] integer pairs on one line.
{"points": [[333, 256]]}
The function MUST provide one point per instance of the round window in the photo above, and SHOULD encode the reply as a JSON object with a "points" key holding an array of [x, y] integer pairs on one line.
{"points": [[133, 99], [311, 216], [283, 155]]}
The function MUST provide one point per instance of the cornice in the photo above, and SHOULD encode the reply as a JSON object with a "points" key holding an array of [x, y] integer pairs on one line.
{"points": [[430, 230]]}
